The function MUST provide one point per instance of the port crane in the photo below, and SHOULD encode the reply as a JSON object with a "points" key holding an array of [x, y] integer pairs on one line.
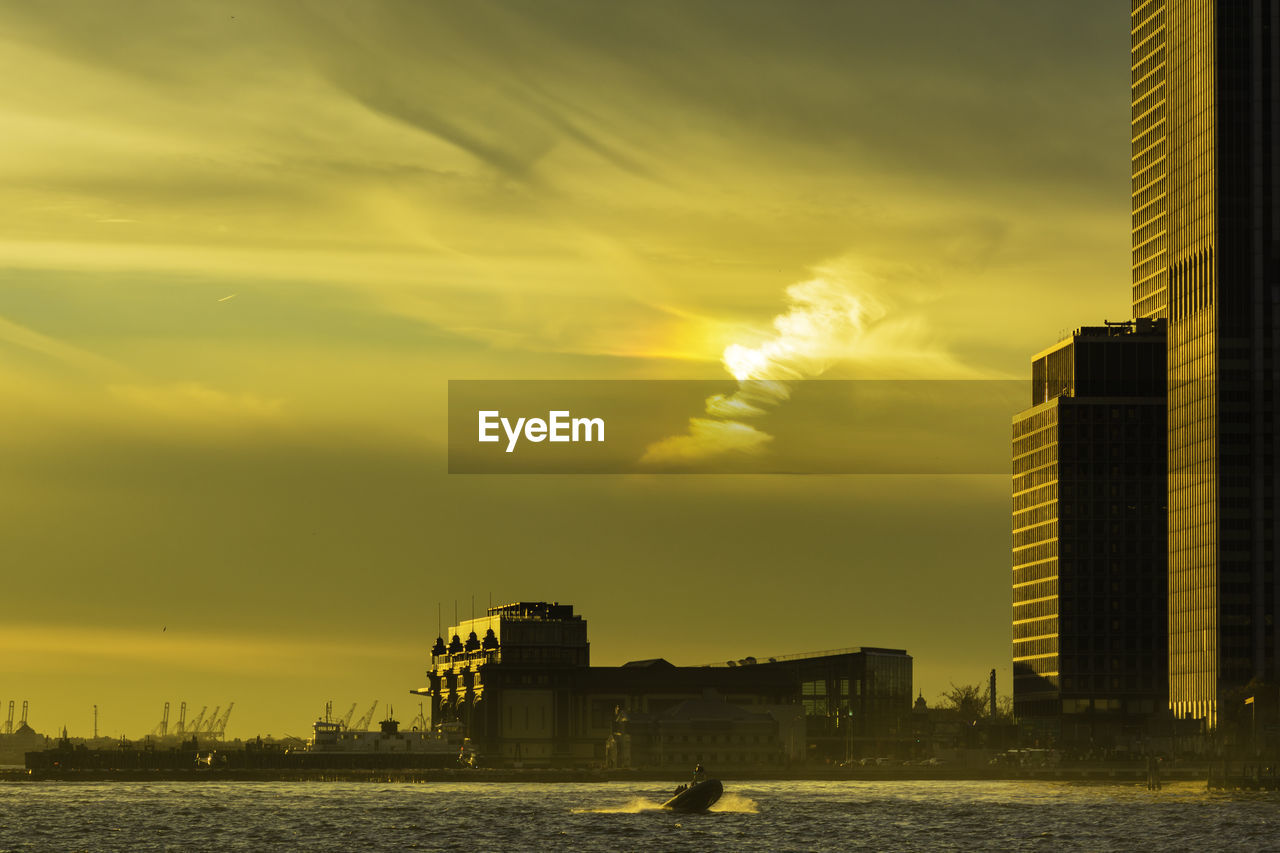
{"points": [[363, 724], [23, 723], [162, 728], [215, 724], [209, 723], [346, 720], [182, 719], [8, 724], [218, 725], [195, 724]]}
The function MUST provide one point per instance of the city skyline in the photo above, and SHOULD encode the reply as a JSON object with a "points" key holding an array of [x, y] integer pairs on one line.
{"points": [[248, 245]]}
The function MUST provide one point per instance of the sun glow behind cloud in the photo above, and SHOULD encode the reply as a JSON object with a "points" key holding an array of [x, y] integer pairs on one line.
{"points": [[832, 319]]}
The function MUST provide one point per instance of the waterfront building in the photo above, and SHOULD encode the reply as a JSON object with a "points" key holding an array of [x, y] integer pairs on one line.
{"points": [[522, 685], [519, 681], [857, 702], [707, 730], [13, 746], [1206, 250], [513, 683], [1089, 554]]}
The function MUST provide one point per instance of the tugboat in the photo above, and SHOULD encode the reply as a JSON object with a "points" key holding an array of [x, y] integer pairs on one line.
{"points": [[698, 796]]}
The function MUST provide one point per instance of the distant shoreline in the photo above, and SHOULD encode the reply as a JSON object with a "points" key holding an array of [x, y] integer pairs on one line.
{"points": [[1103, 773]]}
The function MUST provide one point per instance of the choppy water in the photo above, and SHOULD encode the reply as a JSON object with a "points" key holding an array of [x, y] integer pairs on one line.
{"points": [[785, 816]]}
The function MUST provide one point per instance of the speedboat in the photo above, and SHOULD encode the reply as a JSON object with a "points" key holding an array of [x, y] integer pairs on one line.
{"points": [[691, 799]]}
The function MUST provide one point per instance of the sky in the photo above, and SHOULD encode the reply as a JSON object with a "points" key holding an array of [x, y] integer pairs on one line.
{"points": [[245, 246]]}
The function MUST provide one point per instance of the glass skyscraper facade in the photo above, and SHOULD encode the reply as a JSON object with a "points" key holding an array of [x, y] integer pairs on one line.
{"points": [[1089, 544], [1206, 246]]}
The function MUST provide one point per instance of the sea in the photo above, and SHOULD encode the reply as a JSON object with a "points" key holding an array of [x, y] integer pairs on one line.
{"points": [[785, 816]]}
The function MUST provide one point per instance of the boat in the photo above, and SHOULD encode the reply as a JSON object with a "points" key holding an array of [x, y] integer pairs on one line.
{"points": [[691, 799]]}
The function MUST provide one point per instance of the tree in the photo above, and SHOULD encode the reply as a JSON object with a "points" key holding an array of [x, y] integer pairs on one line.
{"points": [[969, 701]]}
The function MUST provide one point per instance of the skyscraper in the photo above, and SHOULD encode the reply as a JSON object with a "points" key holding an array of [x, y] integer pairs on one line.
{"points": [[1206, 251], [1090, 581]]}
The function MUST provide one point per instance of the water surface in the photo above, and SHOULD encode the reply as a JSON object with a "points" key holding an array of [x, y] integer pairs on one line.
{"points": [[803, 816]]}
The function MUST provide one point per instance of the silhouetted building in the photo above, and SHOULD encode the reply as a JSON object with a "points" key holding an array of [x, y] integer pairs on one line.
{"points": [[857, 702], [707, 730], [1089, 559], [14, 746], [522, 685], [1206, 250]]}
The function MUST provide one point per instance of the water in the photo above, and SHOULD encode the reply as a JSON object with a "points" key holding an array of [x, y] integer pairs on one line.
{"points": [[784, 816]]}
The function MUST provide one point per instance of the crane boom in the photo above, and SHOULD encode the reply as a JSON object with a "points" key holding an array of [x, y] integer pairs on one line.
{"points": [[213, 718], [221, 727], [351, 712], [363, 724], [195, 724]]}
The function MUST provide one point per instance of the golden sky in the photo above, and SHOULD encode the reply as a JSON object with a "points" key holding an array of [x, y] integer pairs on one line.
{"points": [[243, 247]]}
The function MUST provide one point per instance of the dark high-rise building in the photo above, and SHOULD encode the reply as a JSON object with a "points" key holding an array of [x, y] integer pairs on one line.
{"points": [[1089, 545], [1206, 252]]}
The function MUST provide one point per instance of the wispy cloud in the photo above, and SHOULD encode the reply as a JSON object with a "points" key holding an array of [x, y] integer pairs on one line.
{"points": [[829, 319], [194, 402], [68, 648], [60, 351], [706, 438]]}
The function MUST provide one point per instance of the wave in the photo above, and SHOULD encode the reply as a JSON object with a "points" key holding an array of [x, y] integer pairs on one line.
{"points": [[729, 803], [736, 804], [633, 806]]}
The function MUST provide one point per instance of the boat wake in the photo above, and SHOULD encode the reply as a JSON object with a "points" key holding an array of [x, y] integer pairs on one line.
{"points": [[729, 803], [737, 804], [632, 806]]}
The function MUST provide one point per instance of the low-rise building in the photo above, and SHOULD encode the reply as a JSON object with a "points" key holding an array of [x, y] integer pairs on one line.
{"points": [[519, 681], [707, 730]]}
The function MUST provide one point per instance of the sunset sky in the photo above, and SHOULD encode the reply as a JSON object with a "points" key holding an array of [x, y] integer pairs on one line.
{"points": [[244, 246]]}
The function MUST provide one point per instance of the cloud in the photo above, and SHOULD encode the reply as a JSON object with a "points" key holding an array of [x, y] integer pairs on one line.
{"points": [[41, 648], [193, 403], [29, 339], [829, 319], [706, 438]]}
